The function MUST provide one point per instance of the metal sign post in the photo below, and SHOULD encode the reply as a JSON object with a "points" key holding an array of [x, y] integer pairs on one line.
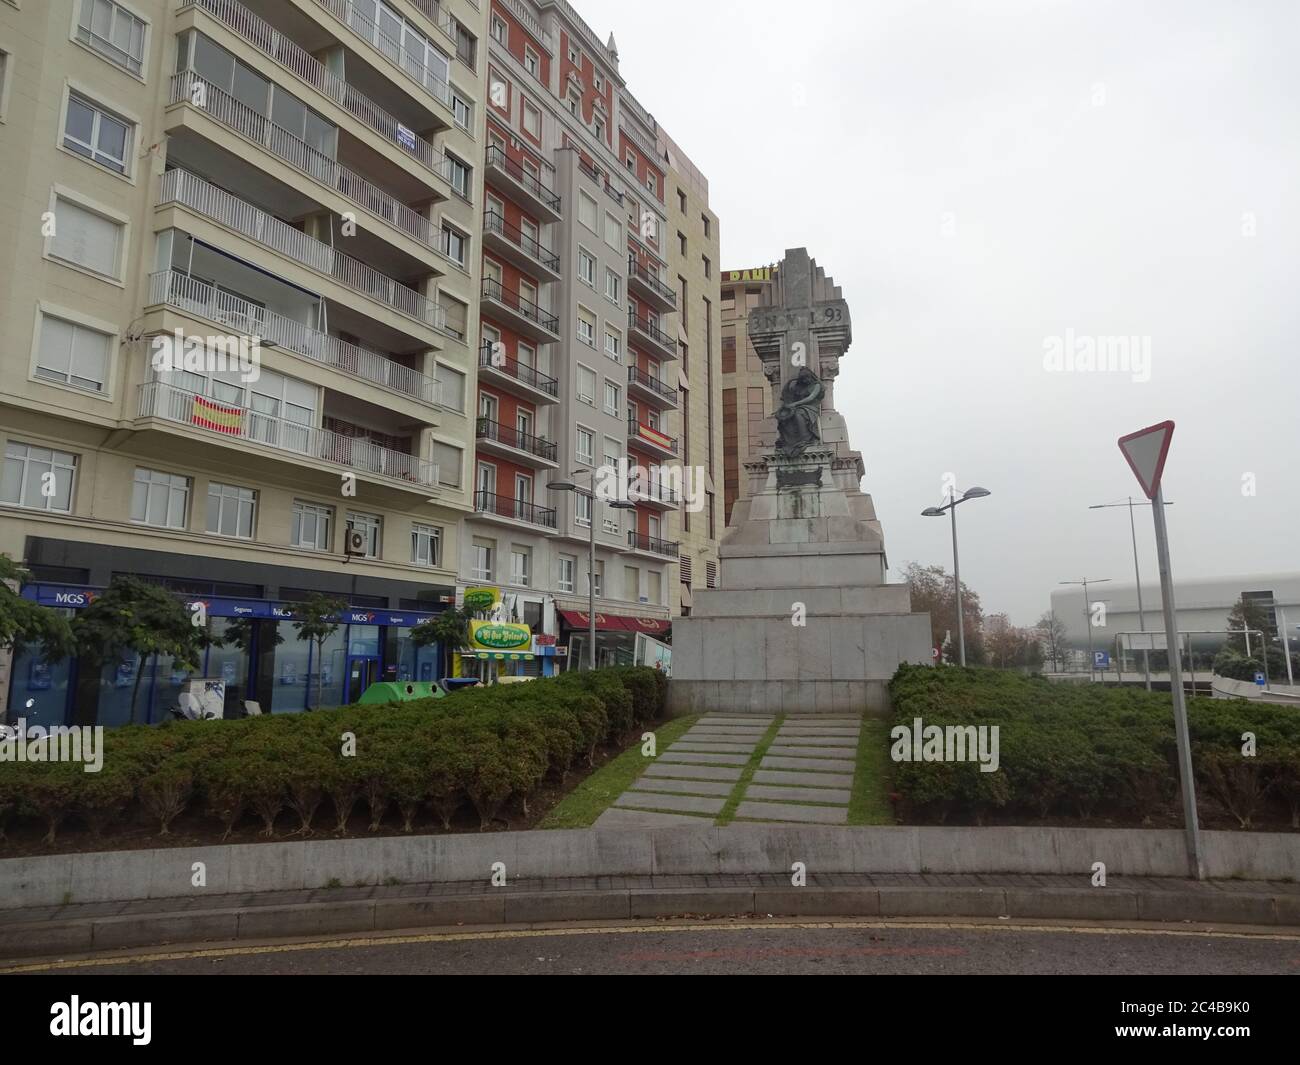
{"points": [[1145, 451]]}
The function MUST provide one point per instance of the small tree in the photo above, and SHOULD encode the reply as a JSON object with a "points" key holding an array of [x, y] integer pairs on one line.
{"points": [[318, 620], [449, 630], [24, 623], [1052, 629], [134, 615]]}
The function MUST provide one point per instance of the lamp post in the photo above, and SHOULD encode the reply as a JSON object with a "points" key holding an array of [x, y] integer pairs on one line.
{"points": [[617, 504], [1087, 618], [937, 512]]}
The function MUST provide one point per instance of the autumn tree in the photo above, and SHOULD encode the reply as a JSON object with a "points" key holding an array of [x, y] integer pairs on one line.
{"points": [[933, 590]]}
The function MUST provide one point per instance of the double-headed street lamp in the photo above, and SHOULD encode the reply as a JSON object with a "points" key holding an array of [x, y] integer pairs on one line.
{"points": [[617, 504], [937, 512]]}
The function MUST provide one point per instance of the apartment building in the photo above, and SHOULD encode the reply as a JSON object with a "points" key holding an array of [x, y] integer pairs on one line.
{"points": [[581, 355], [290, 193]]}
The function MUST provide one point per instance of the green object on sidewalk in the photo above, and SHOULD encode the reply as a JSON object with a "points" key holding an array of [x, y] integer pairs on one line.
{"points": [[388, 691]]}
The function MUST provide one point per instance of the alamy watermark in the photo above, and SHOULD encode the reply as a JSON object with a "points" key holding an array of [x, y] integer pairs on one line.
{"points": [[59, 743], [946, 743], [228, 353], [1073, 353]]}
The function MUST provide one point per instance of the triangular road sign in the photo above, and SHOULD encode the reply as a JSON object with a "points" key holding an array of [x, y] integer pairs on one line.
{"points": [[1146, 451]]}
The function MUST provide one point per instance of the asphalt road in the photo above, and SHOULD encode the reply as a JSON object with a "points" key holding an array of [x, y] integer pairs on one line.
{"points": [[739, 946]]}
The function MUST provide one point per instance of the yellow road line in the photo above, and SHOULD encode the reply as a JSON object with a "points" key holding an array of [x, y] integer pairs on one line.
{"points": [[598, 930]]}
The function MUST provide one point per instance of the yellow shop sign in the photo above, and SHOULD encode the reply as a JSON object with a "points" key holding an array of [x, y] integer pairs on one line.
{"points": [[499, 636]]}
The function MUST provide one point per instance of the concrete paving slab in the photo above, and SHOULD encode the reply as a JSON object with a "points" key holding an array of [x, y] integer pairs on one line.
{"points": [[618, 818], [694, 772], [782, 776], [812, 765], [686, 757], [785, 750], [817, 721], [809, 730], [816, 741], [686, 787], [686, 804], [830, 796], [724, 735], [779, 811], [704, 747], [764, 722]]}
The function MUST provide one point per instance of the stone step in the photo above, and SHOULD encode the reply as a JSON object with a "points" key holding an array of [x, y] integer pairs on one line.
{"points": [[705, 747], [615, 817], [686, 787], [714, 719], [812, 765], [687, 804], [838, 753], [845, 743], [809, 730], [829, 796], [693, 772], [778, 811], [813, 780], [716, 759]]}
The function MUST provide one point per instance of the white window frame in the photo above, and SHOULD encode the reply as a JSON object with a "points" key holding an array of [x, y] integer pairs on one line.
{"points": [[6, 79], [459, 173], [372, 525], [500, 31], [585, 257], [522, 578], [100, 112], [304, 508], [477, 572], [458, 104], [587, 458], [81, 321], [426, 545], [597, 577], [595, 383], [589, 340], [612, 275], [240, 496], [168, 483], [106, 53], [583, 198], [532, 63], [58, 460], [61, 192], [617, 231], [579, 499], [456, 237], [613, 409], [613, 334], [527, 108], [562, 563]]}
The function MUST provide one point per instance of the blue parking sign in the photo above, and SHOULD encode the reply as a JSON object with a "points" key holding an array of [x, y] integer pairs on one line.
{"points": [[1101, 660]]}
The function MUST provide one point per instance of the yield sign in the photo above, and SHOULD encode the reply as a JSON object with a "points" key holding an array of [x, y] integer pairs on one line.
{"points": [[1146, 451]]}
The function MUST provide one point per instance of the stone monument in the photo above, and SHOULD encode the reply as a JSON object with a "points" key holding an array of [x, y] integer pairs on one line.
{"points": [[802, 620]]}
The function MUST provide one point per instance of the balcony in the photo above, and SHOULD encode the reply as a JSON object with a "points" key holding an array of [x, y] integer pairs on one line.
{"points": [[446, 25], [305, 442], [524, 188], [649, 332], [657, 496], [640, 435], [516, 378], [521, 314], [513, 511], [651, 545], [223, 108], [647, 287], [650, 389], [517, 247], [361, 24], [197, 298], [601, 179], [261, 35], [508, 442], [180, 187]]}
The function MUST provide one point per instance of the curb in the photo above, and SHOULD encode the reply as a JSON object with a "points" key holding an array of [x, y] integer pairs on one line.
{"points": [[85, 935]]}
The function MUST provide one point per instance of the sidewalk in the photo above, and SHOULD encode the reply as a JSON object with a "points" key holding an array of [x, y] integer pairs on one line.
{"points": [[59, 931]]}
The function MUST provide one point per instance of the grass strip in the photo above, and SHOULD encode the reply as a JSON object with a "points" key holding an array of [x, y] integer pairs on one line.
{"points": [[732, 804], [591, 798], [869, 800]]}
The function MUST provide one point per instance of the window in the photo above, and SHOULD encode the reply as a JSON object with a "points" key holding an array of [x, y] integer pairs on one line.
{"points": [[231, 510], [681, 242], [598, 127], [160, 499], [708, 266], [586, 385], [613, 398], [574, 57], [462, 110], [86, 239], [38, 477], [574, 104], [101, 137], [520, 566], [456, 244], [481, 552], [613, 451], [4, 71], [586, 446], [530, 62], [565, 570], [631, 582], [613, 230], [708, 226], [500, 33], [532, 120], [654, 586], [371, 527], [587, 210], [613, 345], [310, 527], [451, 387], [586, 267], [681, 201], [652, 184], [613, 286], [113, 32], [631, 163], [457, 175], [587, 327], [598, 578], [598, 83], [582, 512], [73, 354], [426, 544]]}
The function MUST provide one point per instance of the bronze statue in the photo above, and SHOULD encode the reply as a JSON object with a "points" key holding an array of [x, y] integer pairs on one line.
{"points": [[796, 418]]}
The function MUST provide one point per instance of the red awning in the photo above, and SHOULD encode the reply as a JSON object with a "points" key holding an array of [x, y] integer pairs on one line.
{"points": [[650, 626], [577, 619]]}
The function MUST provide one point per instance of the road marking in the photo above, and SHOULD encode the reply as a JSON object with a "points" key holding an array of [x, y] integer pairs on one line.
{"points": [[711, 925]]}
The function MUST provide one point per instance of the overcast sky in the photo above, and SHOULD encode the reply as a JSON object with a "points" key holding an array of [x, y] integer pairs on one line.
{"points": [[982, 177]]}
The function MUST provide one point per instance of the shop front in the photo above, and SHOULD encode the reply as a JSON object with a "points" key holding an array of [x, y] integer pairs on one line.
{"points": [[615, 636]]}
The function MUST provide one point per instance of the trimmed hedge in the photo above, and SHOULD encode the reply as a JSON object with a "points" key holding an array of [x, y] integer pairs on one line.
{"points": [[488, 746], [1092, 750]]}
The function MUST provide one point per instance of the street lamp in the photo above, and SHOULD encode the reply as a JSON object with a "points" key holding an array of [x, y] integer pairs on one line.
{"points": [[937, 512], [1087, 618], [617, 504], [1137, 576]]}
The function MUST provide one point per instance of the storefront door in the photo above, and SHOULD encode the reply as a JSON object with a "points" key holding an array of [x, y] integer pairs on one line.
{"points": [[362, 671]]}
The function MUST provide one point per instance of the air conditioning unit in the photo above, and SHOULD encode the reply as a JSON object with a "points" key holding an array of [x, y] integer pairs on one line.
{"points": [[355, 543]]}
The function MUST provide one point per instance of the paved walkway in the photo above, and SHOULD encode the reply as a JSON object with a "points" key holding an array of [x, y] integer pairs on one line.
{"points": [[792, 768]]}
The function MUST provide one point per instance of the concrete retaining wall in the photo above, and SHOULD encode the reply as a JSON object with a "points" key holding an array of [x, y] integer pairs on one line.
{"points": [[122, 875]]}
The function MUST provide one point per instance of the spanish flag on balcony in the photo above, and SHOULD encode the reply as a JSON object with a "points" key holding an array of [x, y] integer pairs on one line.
{"points": [[218, 418]]}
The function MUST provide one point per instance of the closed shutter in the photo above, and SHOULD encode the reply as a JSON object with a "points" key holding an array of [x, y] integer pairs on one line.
{"points": [[684, 565], [85, 238], [710, 574]]}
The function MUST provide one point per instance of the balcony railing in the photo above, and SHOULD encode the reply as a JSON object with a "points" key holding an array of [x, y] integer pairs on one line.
{"points": [[493, 290], [601, 179], [529, 375], [272, 43], [643, 274], [655, 492], [242, 316], [487, 429], [495, 223], [520, 510], [300, 155], [182, 187], [446, 23], [497, 157], [649, 435], [641, 542], [159, 400], [640, 377], [648, 328], [345, 11]]}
